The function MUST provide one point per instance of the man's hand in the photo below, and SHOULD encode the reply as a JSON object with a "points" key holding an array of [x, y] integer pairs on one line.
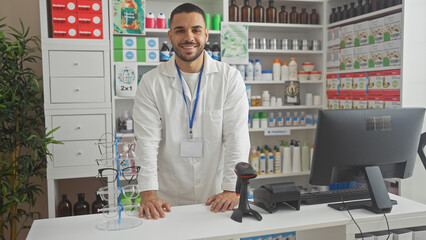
{"points": [[151, 206], [222, 201]]}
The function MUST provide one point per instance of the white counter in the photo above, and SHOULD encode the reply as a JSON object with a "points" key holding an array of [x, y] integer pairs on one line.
{"points": [[197, 222]]}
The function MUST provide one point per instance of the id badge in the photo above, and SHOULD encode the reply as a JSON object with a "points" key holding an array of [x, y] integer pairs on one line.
{"points": [[191, 148]]}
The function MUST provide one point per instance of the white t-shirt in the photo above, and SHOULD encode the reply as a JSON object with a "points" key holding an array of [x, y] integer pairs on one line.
{"points": [[191, 80]]}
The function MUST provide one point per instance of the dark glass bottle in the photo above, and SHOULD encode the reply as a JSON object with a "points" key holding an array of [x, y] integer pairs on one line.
{"points": [[98, 204], [314, 17], [303, 16], [271, 13], [345, 12], [283, 15], [339, 14], [332, 15], [208, 49], [233, 11], [259, 12], [366, 8], [81, 207], [359, 9], [389, 3], [352, 10], [246, 12], [294, 16], [375, 5], [397, 2], [64, 207]]}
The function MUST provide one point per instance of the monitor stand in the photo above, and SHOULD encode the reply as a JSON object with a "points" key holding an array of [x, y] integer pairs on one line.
{"points": [[380, 201]]}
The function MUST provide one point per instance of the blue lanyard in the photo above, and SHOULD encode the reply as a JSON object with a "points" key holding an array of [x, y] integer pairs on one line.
{"points": [[191, 119]]}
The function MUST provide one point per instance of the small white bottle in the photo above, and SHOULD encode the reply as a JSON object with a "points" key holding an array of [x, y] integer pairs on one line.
{"points": [[266, 100], [296, 119], [257, 70], [249, 71], [305, 157], [296, 161], [263, 120], [277, 160], [242, 69], [286, 158], [255, 122], [302, 119], [284, 72], [280, 120], [292, 70], [288, 119], [276, 70], [271, 120]]}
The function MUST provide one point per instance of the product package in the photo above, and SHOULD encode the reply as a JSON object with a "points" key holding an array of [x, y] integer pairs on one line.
{"points": [[347, 59], [361, 34], [64, 6], [392, 101], [89, 6], [332, 84], [292, 92], [64, 31], [336, 59], [345, 84], [392, 83], [375, 83], [347, 36], [375, 102], [345, 102], [392, 53], [376, 30], [64, 18], [329, 59], [333, 102], [376, 55], [135, 43], [393, 27], [129, 16], [336, 37], [90, 19], [359, 102], [330, 38], [90, 32], [361, 57], [360, 82], [136, 49], [126, 79]]}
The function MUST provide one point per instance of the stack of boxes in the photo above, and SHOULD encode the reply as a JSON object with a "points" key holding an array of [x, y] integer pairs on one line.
{"points": [[136, 49], [77, 19], [366, 45]]}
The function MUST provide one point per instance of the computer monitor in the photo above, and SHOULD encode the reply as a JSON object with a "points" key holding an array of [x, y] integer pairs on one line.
{"points": [[366, 146]]}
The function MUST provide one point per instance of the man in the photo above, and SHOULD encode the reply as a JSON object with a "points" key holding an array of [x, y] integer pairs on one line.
{"points": [[191, 117]]}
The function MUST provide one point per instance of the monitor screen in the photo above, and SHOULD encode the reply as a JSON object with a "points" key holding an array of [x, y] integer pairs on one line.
{"points": [[366, 146]]}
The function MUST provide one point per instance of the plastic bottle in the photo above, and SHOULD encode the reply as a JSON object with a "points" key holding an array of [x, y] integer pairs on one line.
{"points": [[259, 12], [150, 20], [64, 207], [233, 12], [277, 160], [296, 119], [125, 123], [302, 119], [288, 119], [254, 160], [276, 70], [242, 69], [292, 69], [286, 162], [305, 157], [207, 48], [246, 12], [271, 13], [309, 120], [296, 161], [315, 119], [262, 162], [164, 52], [216, 51], [285, 73], [98, 204], [283, 15], [255, 123], [294, 16], [257, 70], [270, 163], [303, 17], [249, 71], [263, 120], [81, 207], [266, 100], [161, 21], [280, 120], [271, 121]]}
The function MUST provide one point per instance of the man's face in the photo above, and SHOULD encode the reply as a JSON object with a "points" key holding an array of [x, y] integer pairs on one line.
{"points": [[188, 35]]}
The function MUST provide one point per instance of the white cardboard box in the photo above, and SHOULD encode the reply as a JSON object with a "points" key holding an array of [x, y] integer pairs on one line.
{"points": [[392, 53], [361, 34], [375, 55], [347, 36], [347, 59], [361, 57], [393, 27], [376, 30]]}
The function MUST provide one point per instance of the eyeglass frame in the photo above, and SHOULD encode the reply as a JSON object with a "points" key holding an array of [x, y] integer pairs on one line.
{"points": [[116, 175]]}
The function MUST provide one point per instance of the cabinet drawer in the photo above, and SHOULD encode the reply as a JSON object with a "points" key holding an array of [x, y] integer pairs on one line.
{"points": [[79, 127], [76, 64], [77, 90], [75, 153]]}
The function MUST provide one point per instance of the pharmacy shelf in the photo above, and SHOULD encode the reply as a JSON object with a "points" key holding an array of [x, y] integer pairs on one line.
{"points": [[292, 107], [276, 175], [280, 82], [366, 70], [278, 51], [123, 98], [162, 32], [148, 64], [287, 27], [383, 12], [312, 127]]}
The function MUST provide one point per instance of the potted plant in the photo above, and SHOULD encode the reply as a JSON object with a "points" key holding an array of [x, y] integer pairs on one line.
{"points": [[23, 137]]}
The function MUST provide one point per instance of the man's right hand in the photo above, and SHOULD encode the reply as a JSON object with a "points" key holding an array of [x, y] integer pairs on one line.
{"points": [[152, 207]]}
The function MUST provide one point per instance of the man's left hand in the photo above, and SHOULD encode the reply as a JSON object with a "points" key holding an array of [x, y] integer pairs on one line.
{"points": [[222, 201]]}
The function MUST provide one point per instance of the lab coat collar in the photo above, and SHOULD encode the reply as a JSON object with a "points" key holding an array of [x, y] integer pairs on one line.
{"points": [[169, 69]]}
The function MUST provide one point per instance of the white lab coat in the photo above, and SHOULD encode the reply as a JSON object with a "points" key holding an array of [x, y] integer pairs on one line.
{"points": [[161, 123]]}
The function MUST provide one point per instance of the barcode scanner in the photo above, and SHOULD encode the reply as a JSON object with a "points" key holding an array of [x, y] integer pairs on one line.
{"points": [[244, 172]]}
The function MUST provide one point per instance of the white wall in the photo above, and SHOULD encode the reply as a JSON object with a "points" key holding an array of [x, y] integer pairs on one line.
{"points": [[414, 84]]}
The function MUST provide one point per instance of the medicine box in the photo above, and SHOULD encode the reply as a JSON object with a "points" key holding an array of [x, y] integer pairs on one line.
{"points": [[59, 31], [392, 83], [336, 59], [90, 32], [347, 36], [64, 6], [330, 38], [336, 37], [135, 43], [332, 84], [392, 53], [392, 101], [136, 55], [359, 102], [64, 19], [361, 34], [376, 30], [361, 57], [376, 55], [345, 102], [375, 83], [393, 27], [345, 84], [359, 83], [89, 19], [375, 102], [346, 59], [333, 102], [329, 59], [89, 6]]}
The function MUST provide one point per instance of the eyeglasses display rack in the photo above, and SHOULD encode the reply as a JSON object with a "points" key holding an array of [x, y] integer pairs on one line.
{"points": [[120, 199]]}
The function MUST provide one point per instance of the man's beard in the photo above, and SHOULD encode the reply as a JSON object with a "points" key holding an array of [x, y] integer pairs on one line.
{"points": [[184, 57]]}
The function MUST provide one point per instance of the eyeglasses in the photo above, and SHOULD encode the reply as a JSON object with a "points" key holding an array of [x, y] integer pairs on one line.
{"points": [[111, 211], [128, 173], [130, 192]]}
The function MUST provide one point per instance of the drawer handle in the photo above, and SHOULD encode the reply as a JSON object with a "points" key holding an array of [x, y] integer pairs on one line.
{"points": [[77, 89], [78, 127], [80, 153], [75, 64]]}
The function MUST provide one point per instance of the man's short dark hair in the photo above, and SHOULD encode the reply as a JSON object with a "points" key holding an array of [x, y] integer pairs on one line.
{"points": [[187, 8]]}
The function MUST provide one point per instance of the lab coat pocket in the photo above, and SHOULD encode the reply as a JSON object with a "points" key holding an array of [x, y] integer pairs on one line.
{"points": [[212, 125]]}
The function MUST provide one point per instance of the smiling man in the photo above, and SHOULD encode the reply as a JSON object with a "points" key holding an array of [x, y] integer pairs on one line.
{"points": [[190, 117]]}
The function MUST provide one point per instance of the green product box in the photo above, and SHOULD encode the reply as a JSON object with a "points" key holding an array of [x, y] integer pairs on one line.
{"points": [[130, 55]]}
